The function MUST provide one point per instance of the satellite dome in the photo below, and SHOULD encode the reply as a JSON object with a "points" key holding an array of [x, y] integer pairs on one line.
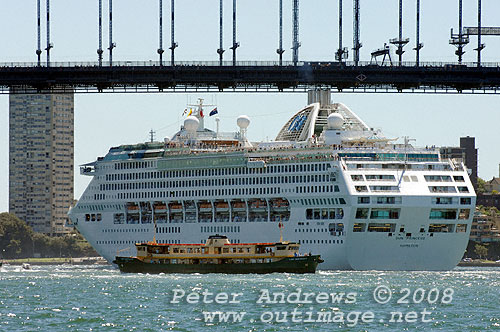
{"points": [[335, 121], [167, 139], [243, 121], [191, 124]]}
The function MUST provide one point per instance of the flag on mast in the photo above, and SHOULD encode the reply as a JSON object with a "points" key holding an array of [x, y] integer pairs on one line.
{"points": [[201, 112], [213, 112]]}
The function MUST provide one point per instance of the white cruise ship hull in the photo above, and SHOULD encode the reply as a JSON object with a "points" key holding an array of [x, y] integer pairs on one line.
{"points": [[339, 188]]}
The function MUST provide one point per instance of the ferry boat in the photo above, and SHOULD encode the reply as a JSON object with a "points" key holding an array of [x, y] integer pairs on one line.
{"points": [[218, 255], [341, 189]]}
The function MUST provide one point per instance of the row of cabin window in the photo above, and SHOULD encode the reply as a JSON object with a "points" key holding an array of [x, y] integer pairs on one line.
{"points": [[391, 228], [376, 213], [399, 166], [448, 189], [178, 218], [212, 229], [321, 241], [217, 182], [398, 200], [362, 189], [324, 213], [201, 193], [317, 167]]}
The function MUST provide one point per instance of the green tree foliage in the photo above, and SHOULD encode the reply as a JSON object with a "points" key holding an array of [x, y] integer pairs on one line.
{"points": [[480, 250], [17, 240], [480, 185]]}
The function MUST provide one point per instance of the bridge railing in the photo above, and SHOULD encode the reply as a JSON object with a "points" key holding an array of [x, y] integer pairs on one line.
{"points": [[150, 63]]}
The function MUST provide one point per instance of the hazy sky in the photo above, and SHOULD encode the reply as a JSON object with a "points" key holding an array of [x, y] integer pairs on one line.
{"points": [[105, 120]]}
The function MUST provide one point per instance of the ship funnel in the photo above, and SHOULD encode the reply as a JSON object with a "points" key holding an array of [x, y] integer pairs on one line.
{"points": [[321, 96]]}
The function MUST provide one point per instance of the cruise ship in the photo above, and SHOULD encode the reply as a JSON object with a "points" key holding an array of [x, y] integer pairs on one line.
{"points": [[328, 181]]}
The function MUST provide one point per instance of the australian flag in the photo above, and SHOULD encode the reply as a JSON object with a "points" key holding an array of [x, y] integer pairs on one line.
{"points": [[213, 112]]}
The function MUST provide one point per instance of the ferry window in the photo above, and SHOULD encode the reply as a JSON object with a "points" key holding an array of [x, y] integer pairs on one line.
{"points": [[324, 213], [316, 213], [225, 250], [464, 214], [463, 189], [465, 200], [336, 189], [443, 214], [458, 178], [359, 227], [406, 178], [341, 200], [362, 213], [461, 228]]}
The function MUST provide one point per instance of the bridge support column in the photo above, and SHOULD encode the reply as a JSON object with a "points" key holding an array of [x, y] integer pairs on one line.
{"points": [[296, 43], [280, 50], [160, 32], [220, 51], [111, 44], [49, 44], [357, 45], [418, 45], [39, 49], [172, 32], [99, 50], [235, 43]]}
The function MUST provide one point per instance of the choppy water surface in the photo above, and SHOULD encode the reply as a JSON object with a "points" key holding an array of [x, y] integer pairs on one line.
{"points": [[100, 298]]}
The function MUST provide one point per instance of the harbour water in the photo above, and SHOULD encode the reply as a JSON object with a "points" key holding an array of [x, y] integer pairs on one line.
{"points": [[100, 298]]}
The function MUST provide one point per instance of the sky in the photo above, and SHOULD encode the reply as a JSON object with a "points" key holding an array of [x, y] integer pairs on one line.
{"points": [[106, 120]]}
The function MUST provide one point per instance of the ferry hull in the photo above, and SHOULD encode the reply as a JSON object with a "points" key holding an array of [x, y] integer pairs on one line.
{"points": [[302, 264]]}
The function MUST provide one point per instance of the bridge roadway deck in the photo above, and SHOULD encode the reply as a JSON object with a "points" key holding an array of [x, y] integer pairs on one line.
{"points": [[248, 76]]}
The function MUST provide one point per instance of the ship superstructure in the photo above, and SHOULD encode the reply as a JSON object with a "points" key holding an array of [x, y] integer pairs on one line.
{"points": [[339, 188]]}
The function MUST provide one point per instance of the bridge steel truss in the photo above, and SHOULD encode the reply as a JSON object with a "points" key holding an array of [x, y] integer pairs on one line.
{"points": [[343, 77]]}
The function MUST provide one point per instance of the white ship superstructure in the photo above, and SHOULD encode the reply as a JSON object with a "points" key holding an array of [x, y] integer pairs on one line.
{"points": [[340, 188]]}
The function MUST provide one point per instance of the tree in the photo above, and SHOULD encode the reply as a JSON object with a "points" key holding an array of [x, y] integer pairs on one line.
{"points": [[480, 185], [18, 240], [15, 236], [481, 251]]}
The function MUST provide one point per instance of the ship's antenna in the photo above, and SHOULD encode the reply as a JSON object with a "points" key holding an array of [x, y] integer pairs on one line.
{"points": [[152, 135]]}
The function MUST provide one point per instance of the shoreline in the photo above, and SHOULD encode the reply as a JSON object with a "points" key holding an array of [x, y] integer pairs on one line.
{"points": [[57, 261], [479, 264]]}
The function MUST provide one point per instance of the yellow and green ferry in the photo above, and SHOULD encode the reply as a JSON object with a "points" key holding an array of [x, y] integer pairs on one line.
{"points": [[218, 255]]}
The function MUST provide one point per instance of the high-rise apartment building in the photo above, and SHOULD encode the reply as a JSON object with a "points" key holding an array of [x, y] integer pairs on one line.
{"points": [[467, 152], [41, 160]]}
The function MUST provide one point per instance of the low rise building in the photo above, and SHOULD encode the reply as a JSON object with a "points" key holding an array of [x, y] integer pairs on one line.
{"points": [[485, 228]]}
